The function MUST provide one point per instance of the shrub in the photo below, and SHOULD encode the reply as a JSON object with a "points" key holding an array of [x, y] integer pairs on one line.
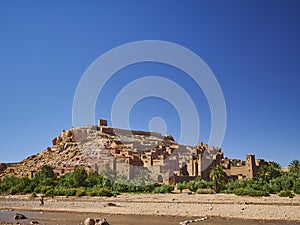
{"points": [[44, 189], [273, 188], [250, 192], [297, 191], [12, 191], [105, 192], [164, 189], [120, 186], [296, 187], [91, 193], [286, 194], [203, 184], [49, 193], [193, 186], [59, 192], [181, 186], [70, 192], [80, 192]]}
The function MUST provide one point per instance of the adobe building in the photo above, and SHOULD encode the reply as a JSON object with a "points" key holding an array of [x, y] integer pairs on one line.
{"points": [[247, 169], [167, 161], [126, 152]]}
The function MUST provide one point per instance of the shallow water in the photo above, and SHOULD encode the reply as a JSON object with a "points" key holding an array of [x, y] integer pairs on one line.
{"points": [[66, 218]]}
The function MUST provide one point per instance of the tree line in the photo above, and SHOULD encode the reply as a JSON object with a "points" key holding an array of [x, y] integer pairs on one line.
{"points": [[79, 182], [270, 180]]}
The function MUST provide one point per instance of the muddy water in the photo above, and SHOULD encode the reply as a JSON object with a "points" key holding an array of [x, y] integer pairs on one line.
{"points": [[66, 218]]}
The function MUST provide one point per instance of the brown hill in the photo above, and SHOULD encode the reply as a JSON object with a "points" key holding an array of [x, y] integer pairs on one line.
{"points": [[127, 152], [96, 147]]}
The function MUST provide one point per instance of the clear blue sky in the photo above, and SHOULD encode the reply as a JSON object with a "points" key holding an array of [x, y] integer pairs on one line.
{"points": [[252, 47]]}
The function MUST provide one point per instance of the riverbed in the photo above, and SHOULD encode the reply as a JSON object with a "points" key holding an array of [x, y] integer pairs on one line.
{"points": [[71, 218]]}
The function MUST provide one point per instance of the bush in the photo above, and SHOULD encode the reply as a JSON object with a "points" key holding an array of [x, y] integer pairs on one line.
{"points": [[297, 191], [193, 186], [91, 193], [13, 191], [70, 192], [181, 186], [80, 192], [120, 186], [296, 187], [286, 194], [59, 192], [49, 193], [203, 184], [273, 188], [44, 189], [164, 189], [250, 192], [105, 192], [9, 183]]}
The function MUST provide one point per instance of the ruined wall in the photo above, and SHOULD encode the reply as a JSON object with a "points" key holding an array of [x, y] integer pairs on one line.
{"points": [[244, 170]]}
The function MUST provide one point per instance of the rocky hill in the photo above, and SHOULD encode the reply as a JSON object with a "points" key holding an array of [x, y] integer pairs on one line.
{"points": [[127, 152], [96, 147]]}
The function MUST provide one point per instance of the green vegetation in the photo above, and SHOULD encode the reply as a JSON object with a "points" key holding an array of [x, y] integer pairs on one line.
{"points": [[250, 192], [164, 189], [294, 166], [181, 186], [80, 183], [286, 194], [270, 180], [217, 176], [198, 186]]}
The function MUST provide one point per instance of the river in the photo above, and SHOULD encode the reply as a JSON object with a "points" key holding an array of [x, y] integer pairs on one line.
{"points": [[71, 218]]}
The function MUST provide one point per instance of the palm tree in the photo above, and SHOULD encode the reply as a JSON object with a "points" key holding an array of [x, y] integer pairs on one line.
{"points": [[269, 171], [275, 165], [217, 175], [264, 173], [294, 166]]}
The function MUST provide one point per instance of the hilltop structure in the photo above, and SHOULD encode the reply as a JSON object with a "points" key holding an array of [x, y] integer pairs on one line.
{"points": [[127, 152]]}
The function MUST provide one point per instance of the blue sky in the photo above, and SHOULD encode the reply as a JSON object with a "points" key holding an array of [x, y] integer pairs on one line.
{"points": [[252, 47]]}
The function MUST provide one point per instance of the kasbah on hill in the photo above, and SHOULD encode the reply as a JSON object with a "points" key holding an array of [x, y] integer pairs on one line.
{"points": [[126, 152]]}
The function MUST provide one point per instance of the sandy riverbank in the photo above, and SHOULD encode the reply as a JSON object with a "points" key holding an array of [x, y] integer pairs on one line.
{"points": [[179, 205]]}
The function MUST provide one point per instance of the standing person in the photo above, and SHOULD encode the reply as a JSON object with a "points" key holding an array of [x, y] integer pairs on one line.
{"points": [[42, 200]]}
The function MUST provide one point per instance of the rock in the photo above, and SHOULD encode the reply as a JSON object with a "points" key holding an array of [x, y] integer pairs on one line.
{"points": [[169, 138], [98, 221], [34, 222], [20, 216], [89, 221], [104, 222], [111, 204], [54, 141]]}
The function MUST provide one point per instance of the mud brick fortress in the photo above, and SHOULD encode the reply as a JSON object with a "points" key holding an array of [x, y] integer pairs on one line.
{"points": [[127, 152]]}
